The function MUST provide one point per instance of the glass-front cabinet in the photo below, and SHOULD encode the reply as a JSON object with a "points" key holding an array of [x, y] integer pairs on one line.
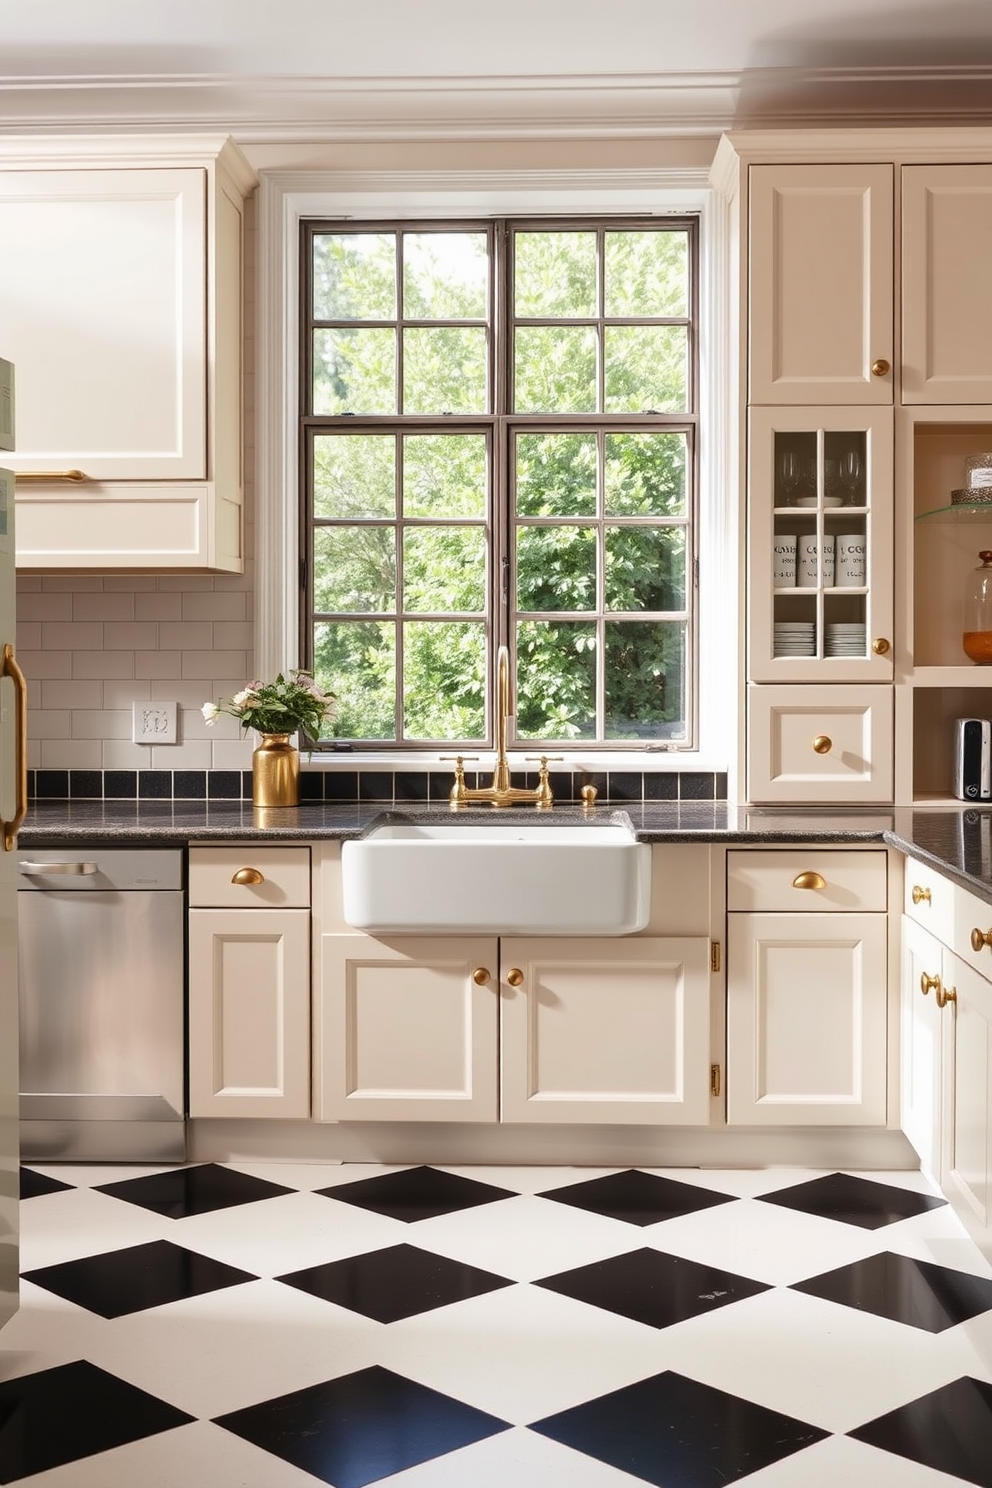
{"points": [[820, 545]]}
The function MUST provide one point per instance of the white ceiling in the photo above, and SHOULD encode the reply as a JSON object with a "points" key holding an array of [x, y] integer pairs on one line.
{"points": [[371, 68]]}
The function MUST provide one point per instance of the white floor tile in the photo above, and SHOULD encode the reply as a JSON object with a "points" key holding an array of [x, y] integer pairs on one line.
{"points": [[77, 1222], [840, 1462]]}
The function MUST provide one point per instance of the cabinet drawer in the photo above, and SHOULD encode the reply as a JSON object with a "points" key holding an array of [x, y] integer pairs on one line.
{"points": [[768, 880], [820, 744], [284, 881], [971, 914], [928, 899]]}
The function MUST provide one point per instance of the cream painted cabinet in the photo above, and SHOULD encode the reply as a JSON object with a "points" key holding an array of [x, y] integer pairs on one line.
{"points": [[121, 290], [806, 988], [820, 744], [249, 981]]}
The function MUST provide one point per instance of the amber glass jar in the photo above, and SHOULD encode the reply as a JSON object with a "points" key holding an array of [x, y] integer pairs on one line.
{"points": [[977, 635]]}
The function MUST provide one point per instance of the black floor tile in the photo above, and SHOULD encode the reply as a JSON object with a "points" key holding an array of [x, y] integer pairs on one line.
{"points": [[33, 1184], [949, 1430], [74, 1410], [918, 1293], [676, 1433], [417, 1193], [361, 1427], [182, 1192], [639, 1198], [394, 1283], [653, 1288], [118, 1282], [857, 1201]]}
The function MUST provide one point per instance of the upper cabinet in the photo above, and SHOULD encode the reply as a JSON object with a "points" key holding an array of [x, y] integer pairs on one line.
{"points": [[121, 301]]}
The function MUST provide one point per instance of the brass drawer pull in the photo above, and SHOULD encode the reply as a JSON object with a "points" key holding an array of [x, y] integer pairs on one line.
{"points": [[927, 983], [76, 476], [809, 880], [920, 895], [481, 976], [515, 976], [980, 938], [946, 995], [248, 876], [822, 744]]}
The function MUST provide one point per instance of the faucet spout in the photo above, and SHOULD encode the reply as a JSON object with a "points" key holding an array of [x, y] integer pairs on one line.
{"points": [[502, 792]]}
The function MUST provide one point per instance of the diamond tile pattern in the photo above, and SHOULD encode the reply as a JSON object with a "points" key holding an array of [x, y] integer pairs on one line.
{"points": [[401, 1355]]}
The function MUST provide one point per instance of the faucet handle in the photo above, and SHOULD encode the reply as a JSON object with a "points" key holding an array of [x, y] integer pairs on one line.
{"points": [[544, 759], [458, 757]]}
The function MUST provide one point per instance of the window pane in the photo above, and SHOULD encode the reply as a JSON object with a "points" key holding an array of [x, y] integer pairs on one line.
{"points": [[444, 370], [354, 570], [354, 475], [646, 367], [444, 680], [444, 568], [554, 369], [645, 568], [354, 371], [645, 475], [445, 276], [444, 475], [556, 568], [556, 475], [354, 276], [356, 660], [554, 274], [556, 680], [645, 680], [647, 273]]}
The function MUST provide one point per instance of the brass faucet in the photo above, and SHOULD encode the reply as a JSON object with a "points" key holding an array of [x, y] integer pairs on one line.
{"points": [[501, 792]]}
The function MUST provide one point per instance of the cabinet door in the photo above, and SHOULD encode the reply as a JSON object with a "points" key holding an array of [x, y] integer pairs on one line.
{"points": [[820, 744], [946, 284], [103, 308], [806, 1020], [967, 1176], [605, 1030], [249, 1012], [820, 284], [408, 1028], [920, 1060]]}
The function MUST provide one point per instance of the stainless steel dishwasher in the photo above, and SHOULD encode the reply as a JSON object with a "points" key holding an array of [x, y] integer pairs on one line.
{"points": [[101, 953]]}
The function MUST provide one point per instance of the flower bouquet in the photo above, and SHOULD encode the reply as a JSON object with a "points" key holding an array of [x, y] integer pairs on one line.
{"points": [[289, 705]]}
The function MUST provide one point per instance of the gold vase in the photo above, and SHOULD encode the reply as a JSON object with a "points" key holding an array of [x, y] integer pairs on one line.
{"points": [[275, 772]]}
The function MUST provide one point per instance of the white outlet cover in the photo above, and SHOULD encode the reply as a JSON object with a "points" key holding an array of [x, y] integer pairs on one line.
{"points": [[154, 723]]}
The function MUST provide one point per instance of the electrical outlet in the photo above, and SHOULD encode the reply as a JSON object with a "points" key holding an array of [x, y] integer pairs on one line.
{"points": [[153, 723]]}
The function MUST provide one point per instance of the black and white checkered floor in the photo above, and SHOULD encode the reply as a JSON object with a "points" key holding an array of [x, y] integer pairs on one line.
{"points": [[274, 1326]]}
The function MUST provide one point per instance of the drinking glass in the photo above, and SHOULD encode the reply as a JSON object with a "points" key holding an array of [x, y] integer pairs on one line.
{"points": [[789, 472], [849, 473]]}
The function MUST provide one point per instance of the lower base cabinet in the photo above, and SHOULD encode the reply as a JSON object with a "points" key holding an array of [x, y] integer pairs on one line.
{"points": [[518, 1030]]}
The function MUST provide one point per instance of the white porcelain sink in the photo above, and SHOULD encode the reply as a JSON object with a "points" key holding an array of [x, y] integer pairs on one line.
{"points": [[404, 878]]}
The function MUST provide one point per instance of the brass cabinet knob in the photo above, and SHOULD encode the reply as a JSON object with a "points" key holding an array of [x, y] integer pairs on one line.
{"points": [[481, 976], [822, 744], [809, 880], [946, 995], [248, 876], [920, 896], [928, 982], [980, 938], [514, 976], [879, 367], [881, 646]]}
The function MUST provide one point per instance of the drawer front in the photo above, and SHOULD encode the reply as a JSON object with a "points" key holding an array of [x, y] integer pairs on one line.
{"points": [[814, 879], [809, 746], [972, 917], [928, 900], [252, 876]]}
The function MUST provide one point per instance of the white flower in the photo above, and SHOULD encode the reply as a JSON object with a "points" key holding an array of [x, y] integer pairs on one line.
{"points": [[210, 712], [243, 698]]}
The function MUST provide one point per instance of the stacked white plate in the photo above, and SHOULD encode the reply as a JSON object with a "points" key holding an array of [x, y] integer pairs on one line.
{"points": [[794, 638], [844, 639]]}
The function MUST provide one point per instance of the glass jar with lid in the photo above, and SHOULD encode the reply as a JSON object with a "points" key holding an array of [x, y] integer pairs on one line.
{"points": [[977, 631]]}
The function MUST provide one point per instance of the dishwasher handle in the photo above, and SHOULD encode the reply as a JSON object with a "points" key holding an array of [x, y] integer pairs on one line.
{"points": [[46, 868]]}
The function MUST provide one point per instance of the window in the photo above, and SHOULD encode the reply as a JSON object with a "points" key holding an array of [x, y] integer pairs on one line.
{"points": [[499, 446]]}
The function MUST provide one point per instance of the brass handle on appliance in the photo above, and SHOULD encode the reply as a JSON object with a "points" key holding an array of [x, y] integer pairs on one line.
{"points": [[927, 982], [514, 976], [879, 367], [75, 476], [809, 880], [881, 646], [946, 995], [822, 744], [248, 876], [481, 976], [9, 668], [980, 938], [920, 896]]}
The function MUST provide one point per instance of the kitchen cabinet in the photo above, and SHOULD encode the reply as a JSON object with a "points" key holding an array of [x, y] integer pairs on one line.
{"points": [[249, 981], [121, 297], [806, 988]]}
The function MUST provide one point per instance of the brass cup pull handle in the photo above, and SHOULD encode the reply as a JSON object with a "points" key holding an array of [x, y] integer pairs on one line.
{"points": [[980, 938], [809, 880], [248, 876], [920, 895], [881, 646], [75, 476], [9, 668], [879, 367], [482, 976], [822, 744], [515, 976], [946, 995], [929, 982]]}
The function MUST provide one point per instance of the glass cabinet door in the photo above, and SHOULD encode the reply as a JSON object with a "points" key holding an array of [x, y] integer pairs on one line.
{"points": [[820, 545]]}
